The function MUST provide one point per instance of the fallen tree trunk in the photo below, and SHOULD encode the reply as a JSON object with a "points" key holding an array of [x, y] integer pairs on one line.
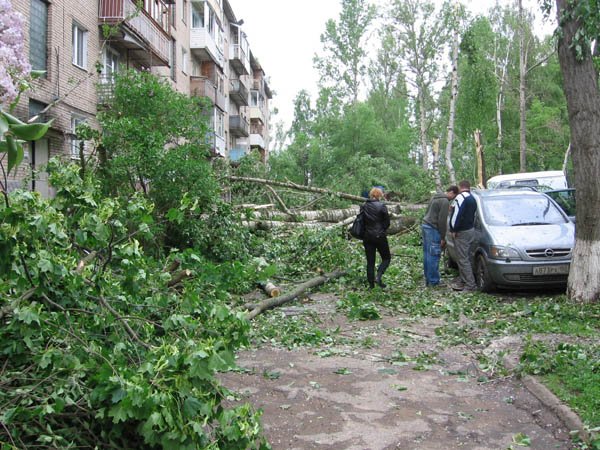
{"points": [[397, 225], [278, 301], [322, 215], [270, 289], [289, 184]]}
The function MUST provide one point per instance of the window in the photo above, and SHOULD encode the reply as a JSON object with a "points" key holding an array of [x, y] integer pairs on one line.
{"points": [[173, 59], [38, 35], [219, 123], [79, 46], [75, 143], [35, 109], [184, 11], [184, 60], [197, 16], [110, 64]]}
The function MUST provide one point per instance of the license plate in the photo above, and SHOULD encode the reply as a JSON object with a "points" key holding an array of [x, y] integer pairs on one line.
{"points": [[561, 269]]}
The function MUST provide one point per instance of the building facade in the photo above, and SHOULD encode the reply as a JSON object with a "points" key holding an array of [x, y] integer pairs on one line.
{"points": [[198, 45]]}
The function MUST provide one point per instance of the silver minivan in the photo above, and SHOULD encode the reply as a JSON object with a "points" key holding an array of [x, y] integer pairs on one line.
{"points": [[523, 239]]}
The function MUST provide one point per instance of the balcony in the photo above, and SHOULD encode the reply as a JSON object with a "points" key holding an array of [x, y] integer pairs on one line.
{"points": [[147, 40], [238, 126], [204, 87], [257, 114], [238, 92], [106, 89], [256, 140], [216, 144], [204, 47], [238, 59], [235, 154]]}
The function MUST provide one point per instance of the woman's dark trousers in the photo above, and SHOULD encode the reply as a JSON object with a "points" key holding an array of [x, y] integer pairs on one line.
{"points": [[371, 246]]}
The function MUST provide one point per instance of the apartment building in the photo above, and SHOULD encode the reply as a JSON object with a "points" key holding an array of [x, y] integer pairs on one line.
{"points": [[198, 45]]}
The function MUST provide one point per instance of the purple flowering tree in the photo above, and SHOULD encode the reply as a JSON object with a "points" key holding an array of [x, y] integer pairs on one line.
{"points": [[14, 67], [15, 73]]}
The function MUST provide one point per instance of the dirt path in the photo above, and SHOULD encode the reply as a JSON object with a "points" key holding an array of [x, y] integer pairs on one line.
{"points": [[403, 391]]}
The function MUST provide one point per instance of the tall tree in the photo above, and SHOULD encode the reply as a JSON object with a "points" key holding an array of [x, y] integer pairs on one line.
{"points": [[503, 24], [455, 21], [421, 34], [579, 24], [343, 65]]}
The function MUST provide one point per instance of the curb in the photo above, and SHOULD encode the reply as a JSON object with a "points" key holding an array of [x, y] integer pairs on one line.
{"points": [[552, 402], [565, 414]]}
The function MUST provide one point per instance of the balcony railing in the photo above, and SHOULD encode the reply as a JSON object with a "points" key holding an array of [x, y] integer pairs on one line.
{"points": [[139, 22], [256, 140], [257, 114], [238, 92], [235, 154], [106, 89], [203, 44], [239, 59], [238, 126], [204, 87]]}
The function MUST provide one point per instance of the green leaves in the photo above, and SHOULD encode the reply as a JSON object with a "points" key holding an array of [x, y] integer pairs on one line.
{"points": [[12, 132], [32, 131]]}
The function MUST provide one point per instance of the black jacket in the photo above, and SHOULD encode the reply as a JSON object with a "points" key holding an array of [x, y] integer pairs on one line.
{"points": [[377, 219]]}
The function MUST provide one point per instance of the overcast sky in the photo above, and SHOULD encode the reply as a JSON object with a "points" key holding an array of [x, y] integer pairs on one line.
{"points": [[284, 35]]}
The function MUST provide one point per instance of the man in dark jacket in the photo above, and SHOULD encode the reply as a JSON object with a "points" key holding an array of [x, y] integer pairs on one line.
{"points": [[462, 220], [434, 234], [377, 221]]}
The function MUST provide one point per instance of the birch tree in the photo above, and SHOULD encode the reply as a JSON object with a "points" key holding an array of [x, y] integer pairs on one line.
{"points": [[422, 34], [579, 24], [455, 20]]}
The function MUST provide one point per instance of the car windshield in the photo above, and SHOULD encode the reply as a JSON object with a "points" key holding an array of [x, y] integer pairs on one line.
{"points": [[515, 211], [565, 199]]}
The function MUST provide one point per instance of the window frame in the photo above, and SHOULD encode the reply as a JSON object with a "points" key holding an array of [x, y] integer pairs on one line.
{"points": [[79, 41], [75, 121], [34, 58]]}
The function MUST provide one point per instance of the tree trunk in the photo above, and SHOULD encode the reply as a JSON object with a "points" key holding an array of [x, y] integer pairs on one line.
{"points": [[499, 109], [270, 289], [583, 104], [289, 184], [436, 164], [522, 92], [324, 215], [453, 96], [423, 128], [397, 225], [278, 301], [481, 182]]}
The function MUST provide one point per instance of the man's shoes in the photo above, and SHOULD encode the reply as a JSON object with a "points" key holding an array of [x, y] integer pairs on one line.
{"points": [[458, 286], [380, 283], [462, 288]]}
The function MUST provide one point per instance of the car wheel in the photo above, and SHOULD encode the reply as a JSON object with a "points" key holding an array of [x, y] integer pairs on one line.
{"points": [[482, 275], [449, 263]]}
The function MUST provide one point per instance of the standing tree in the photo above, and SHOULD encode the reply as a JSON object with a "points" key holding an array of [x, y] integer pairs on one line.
{"points": [[503, 24], [343, 66], [421, 36], [579, 24], [455, 20]]}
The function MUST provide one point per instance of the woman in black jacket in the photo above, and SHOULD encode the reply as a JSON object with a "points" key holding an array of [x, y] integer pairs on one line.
{"points": [[377, 221]]}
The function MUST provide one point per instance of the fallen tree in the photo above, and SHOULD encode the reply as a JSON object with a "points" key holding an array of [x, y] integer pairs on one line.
{"points": [[289, 184], [278, 301], [397, 225], [322, 215]]}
